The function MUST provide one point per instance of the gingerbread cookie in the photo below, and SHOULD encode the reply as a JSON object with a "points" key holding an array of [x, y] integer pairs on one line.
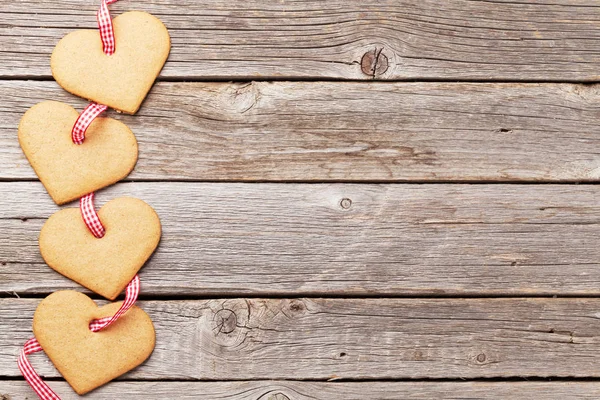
{"points": [[67, 170], [121, 80], [89, 359], [104, 265]]}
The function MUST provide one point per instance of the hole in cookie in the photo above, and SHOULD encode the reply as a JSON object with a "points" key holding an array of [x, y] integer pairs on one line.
{"points": [[95, 324]]}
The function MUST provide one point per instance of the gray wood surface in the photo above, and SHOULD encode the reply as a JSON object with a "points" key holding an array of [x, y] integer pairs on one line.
{"points": [[302, 179], [307, 131], [239, 238], [324, 339], [293, 390], [416, 39]]}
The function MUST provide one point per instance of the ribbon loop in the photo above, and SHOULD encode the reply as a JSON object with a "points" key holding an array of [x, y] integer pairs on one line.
{"points": [[85, 119]]}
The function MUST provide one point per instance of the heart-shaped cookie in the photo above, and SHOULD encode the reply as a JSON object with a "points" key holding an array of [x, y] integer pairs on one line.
{"points": [[122, 80], [67, 170], [104, 265], [89, 359]]}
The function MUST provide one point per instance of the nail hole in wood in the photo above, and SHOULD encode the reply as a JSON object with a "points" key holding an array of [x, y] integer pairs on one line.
{"points": [[346, 203]]}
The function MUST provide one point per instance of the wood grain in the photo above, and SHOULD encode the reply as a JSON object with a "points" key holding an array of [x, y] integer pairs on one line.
{"points": [[323, 339], [337, 239], [306, 131], [257, 39], [374, 236], [293, 390]]}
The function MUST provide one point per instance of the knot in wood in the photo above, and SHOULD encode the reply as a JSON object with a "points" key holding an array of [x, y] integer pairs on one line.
{"points": [[345, 203], [481, 358], [229, 322], [274, 396], [245, 97], [225, 321], [296, 306], [374, 63]]}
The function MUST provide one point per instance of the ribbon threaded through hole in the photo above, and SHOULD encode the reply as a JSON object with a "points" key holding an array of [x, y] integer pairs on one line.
{"points": [[131, 294], [90, 216], [85, 119], [105, 25]]}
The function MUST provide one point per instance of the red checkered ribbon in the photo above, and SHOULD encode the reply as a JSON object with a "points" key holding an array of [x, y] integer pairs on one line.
{"points": [[131, 294], [90, 216], [85, 119], [37, 384], [107, 35], [44, 391], [105, 26]]}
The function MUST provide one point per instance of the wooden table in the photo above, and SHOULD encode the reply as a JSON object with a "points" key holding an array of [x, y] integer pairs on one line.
{"points": [[360, 199]]}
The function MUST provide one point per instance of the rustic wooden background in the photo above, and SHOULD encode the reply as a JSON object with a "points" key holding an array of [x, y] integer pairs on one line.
{"points": [[360, 199]]}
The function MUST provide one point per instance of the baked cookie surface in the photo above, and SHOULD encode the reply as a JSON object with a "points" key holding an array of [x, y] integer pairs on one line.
{"points": [[89, 359], [123, 79], [108, 264], [67, 170]]}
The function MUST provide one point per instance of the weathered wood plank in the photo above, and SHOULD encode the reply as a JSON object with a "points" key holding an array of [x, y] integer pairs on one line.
{"points": [[419, 39], [293, 390], [303, 131], [268, 239], [351, 338]]}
